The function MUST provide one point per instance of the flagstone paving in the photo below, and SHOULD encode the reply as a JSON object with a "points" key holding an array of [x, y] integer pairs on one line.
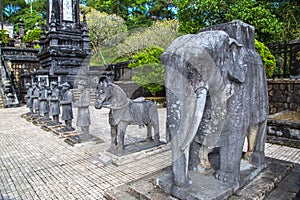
{"points": [[36, 164]]}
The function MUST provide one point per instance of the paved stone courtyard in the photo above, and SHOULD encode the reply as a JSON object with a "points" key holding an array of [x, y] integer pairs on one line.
{"points": [[36, 164]]}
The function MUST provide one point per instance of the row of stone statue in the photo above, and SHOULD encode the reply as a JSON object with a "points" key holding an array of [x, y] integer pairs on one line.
{"points": [[46, 102]]}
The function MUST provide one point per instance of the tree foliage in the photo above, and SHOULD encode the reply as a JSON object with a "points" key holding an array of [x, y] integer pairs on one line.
{"points": [[194, 15], [4, 37], [287, 12], [160, 34], [131, 11], [267, 58], [104, 30], [32, 35], [136, 13], [30, 19], [148, 71]]}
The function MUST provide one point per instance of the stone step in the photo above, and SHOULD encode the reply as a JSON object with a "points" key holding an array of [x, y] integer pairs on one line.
{"points": [[147, 189], [119, 193]]}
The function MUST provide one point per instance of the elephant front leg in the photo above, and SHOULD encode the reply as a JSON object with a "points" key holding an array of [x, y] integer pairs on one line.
{"points": [[180, 169]]}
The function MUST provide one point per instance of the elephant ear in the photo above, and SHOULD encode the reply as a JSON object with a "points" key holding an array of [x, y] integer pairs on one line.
{"points": [[236, 66]]}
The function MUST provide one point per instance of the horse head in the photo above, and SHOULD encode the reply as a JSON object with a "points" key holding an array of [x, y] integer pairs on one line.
{"points": [[103, 94], [110, 96]]}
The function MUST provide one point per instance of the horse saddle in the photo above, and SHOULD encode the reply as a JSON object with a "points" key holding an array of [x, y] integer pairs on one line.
{"points": [[138, 100], [139, 110]]}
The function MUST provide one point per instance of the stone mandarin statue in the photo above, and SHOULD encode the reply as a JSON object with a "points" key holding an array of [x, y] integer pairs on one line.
{"points": [[28, 97], [83, 114], [44, 103], [35, 98], [66, 105], [54, 103]]}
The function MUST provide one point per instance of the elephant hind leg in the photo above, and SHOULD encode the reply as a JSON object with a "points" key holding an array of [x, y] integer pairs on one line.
{"points": [[256, 143], [204, 157], [252, 133]]}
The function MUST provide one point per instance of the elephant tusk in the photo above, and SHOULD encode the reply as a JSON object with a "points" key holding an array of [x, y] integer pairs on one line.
{"points": [[201, 100]]}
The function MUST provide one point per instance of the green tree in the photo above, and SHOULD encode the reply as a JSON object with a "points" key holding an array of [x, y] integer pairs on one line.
{"points": [[40, 6], [31, 19], [105, 31], [162, 9], [267, 27], [148, 71], [4, 37], [287, 12], [194, 15], [136, 13], [132, 11], [161, 34], [32, 35], [267, 58]]}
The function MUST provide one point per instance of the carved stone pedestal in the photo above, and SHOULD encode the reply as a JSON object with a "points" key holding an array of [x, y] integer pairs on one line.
{"points": [[205, 186], [76, 141], [135, 147], [280, 179]]}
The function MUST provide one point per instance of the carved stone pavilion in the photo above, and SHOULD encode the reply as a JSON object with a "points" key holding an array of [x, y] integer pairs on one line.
{"points": [[64, 42]]}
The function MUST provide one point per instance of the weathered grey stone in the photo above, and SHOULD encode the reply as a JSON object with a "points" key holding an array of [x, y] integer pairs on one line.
{"points": [[124, 112], [28, 97], [66, 105], [83, 114], [283, 132], [54, 103], [44, 103], [216, 96]]}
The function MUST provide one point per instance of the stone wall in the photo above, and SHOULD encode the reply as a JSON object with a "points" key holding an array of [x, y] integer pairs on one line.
{"points": [[284, 94]]}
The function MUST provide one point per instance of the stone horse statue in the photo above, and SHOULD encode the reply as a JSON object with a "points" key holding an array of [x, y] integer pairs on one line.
{"points": [[124, 112]]}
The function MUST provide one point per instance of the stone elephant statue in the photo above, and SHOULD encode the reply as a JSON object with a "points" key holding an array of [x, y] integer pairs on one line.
{"points": [[216, 96]]}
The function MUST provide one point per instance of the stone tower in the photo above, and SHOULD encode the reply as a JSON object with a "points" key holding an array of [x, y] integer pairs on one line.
{"points": [[64, 41]]}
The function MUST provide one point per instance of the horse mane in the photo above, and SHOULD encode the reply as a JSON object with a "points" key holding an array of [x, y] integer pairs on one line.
{"points": [[119, 90]]}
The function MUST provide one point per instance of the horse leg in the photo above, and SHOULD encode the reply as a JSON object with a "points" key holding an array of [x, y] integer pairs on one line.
{"points": [[149, 133], [121, 135], [155, 123], [113, 134]]}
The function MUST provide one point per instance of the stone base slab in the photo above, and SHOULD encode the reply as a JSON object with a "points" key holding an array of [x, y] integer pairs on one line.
{"points": [[144, 152], [206, 187]]}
